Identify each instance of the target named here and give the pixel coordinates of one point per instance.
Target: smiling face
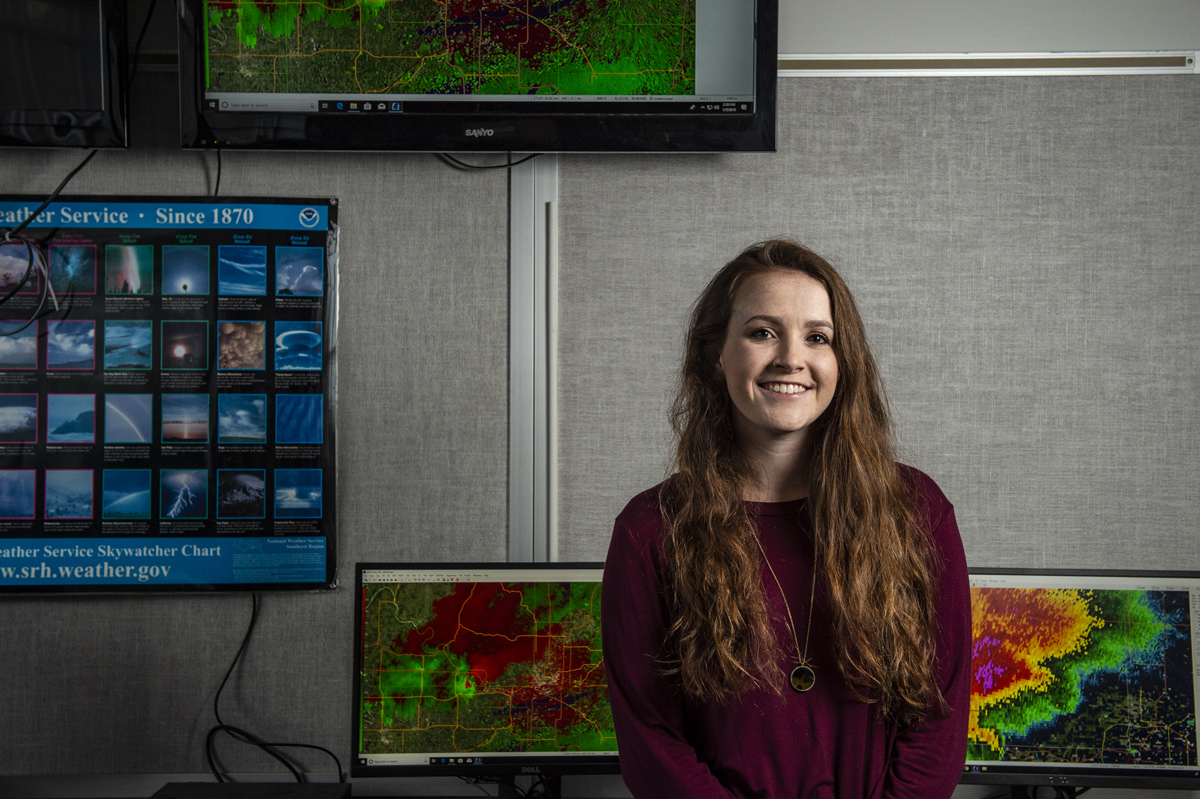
(777, 358)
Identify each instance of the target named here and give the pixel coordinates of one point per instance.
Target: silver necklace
(802, 677)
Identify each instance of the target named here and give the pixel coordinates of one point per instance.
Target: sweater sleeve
(656, 758)
(927, 758)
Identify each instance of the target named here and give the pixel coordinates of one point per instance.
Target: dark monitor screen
(480, 670)
(1084, 679)
(536, 75)
(65, 61)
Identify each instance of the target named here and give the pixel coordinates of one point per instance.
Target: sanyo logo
(477, 132)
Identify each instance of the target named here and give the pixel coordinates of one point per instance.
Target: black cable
(242, 736)
(501, 783)
(451, 161)
(540, 788)
(217, 184)
(32, 254)
(15, 231)
(14, 236)
(474, 782)
(137, 48)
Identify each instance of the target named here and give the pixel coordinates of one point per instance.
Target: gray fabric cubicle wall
(1025, 249)
(118, 685)
(1026, 252)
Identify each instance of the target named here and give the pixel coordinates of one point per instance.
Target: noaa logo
(309, 217)
(476, 132)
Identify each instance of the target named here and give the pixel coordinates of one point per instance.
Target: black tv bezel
(538, 764)
(534, 130)
(1070, 776)
(85, 128)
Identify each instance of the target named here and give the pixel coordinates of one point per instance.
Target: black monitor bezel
(534, 130)
(533, 763)
(1082, 776)
(85, 128)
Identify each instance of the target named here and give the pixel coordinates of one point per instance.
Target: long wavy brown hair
(874, 558)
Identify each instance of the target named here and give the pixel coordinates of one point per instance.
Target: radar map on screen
(1090, 677)
(483, 668)
(475, 47)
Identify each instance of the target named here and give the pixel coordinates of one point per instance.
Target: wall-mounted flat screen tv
(531, 76)
(64, 62)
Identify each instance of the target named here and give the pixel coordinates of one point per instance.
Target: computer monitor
(64, 68)
(480, 670)
(1084, 678)
(625, 75)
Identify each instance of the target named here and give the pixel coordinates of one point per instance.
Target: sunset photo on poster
(185, 418)
(184, 344)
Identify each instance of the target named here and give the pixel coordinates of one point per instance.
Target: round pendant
(802, 678)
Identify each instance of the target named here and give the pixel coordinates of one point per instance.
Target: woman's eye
(760, 333)
(819, 338)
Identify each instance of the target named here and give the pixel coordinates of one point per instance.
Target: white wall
(982, 26)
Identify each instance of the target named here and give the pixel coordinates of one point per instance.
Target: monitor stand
(550, 788)
(1031, 791)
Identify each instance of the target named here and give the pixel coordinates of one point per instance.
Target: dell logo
(531, 770)
(475, 132)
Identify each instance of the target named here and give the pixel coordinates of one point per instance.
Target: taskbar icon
(361, 106)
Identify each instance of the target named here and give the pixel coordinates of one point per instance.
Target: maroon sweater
(823, 743)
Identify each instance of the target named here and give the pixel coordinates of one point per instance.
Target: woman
(787, 615)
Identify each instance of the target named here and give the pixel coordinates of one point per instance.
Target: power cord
(58, 190)
(217, 182)
(137, 48)
(539, 789)
(34, 253)
(455, 163)
(242, 736)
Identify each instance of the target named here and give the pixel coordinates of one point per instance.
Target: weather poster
(166, 377)
(1082, 677)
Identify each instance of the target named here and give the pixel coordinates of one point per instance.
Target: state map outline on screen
(452, 668)
(464, 47)
(1082, 677)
